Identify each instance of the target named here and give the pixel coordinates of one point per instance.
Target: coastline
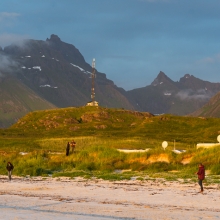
(65, 198)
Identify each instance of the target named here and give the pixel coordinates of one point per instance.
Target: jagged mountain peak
(161, 78)
(190, 81)
(186, 78)
(161, 74)
(54, 38)
(67, 50)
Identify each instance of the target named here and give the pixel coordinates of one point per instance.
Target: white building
(92, 103)
(207, 145)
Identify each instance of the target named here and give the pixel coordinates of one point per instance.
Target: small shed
(92, 103)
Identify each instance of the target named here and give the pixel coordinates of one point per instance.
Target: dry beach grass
(65, 198)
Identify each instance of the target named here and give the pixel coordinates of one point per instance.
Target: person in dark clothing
(9, 167)
(67, 148)
(201, 175)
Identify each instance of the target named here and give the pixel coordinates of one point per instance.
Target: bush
(215, 169)
(160, 167)
(86, 166)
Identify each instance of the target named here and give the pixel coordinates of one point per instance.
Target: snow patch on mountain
(47, 85)
(37, 67)
(77, 67)
(34, 67)
(167, 93)
(55, 59)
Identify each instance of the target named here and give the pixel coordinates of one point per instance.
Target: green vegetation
(17, 100)
(36, 144)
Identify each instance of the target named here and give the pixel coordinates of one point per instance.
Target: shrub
(160, 167)
(215, 169)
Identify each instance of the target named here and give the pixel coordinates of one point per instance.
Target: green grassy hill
(116, 123)
(36, 143)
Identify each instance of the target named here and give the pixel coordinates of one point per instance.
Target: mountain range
(179, 98)
(36, 74)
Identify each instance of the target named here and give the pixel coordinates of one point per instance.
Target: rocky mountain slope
(57, 71)
(210, 109)
(17, 100)
(180, 98)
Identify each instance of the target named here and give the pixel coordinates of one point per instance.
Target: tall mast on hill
(93, 82)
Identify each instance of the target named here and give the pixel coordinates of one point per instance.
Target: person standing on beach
(9, 167)
(73, 145)
(201, 175)
(67, 148)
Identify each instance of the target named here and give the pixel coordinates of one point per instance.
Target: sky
(131, 40)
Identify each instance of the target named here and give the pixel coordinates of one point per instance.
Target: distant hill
(210, 109)
(166, 96)
(17, 100)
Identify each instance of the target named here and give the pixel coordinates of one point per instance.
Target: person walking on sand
(67, 148)
(201, 175)
(9, 167)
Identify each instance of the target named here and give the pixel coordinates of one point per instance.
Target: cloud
(210, 60)
(207, 60)
(5, 16)
(7, 39)
(189, 94)
(7, 65)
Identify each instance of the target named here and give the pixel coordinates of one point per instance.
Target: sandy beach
(64, 198)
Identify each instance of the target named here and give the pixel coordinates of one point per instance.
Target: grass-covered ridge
(99, 132)
(103, 122)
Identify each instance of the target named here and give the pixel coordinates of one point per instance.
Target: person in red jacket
(201, 175)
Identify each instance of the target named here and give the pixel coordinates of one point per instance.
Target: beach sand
(65, 198)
